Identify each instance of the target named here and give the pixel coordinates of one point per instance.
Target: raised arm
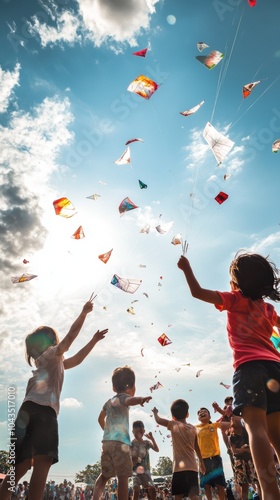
(81, 355)
(196, 290)
(154, 445)
(158, 419)
(75, 329)
(137, 400)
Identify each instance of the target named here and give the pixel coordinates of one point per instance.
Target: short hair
(138, 424)
(206, 409)
(228, 399)
(255, 276)
(123, 378)
(39, 341)
(179, 409)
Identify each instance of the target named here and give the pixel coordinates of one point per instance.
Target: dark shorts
(185, 483)
(214, 475)
(36, 432)
(257, 383)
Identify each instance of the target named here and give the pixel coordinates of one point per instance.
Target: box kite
(143, 86)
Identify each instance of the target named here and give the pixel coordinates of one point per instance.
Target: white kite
(220, 144)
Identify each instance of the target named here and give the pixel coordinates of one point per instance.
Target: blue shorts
(257, 383)
(185, 483)
(214, 475)
(36, 432)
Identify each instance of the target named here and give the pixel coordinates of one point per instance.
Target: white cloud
(66, 30)
(71, 403)
(8, 80)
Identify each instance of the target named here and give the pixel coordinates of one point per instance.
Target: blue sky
(65, 117)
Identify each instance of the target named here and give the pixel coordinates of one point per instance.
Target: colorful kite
(23, 278)
(124, 159)
(201, 46)
(133, 140)
(64, 208)
(140, 53)
(221, 197)
(192, 110)
(126, 205)
(142, 185)
(104, 257)
(225, 385)
(164, 340)
(79, 234)
(275, 339)
(158, 385)
(211, 60)
(143, 86)
(177, 240)
(127, 285)
(219, 143)
(276, 146)
(252, 3)
(247, 89)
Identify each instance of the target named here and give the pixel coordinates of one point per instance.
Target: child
(141, 460)
(36, 429)
(208, 441)
(226, 413)
(114, 420)
(256, 380)
(185, 445)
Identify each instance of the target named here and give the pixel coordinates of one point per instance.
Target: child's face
(203, 416)
(138, 432)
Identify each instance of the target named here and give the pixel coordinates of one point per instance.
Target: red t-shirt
(249, 326)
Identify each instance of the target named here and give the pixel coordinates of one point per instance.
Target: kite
(104, 257)
(142, 354)
(142, 265)
(126, 205)
(23, 277)
(198, 373)
(164, 228)
(127, 285)
(221, 197)
(145, 229)
(64, 208)
(93, 197)
(143, 86)
(227, 176)
(211, 60)
(252, 3)
(140, 53)
(133, 140)
(124, 159)
(164, 340)
(276, 146)
(142, 184)
(247, 89)
(158, 385)
(79, 234)
(201, 46)
(192, 110)
(130, 310)
(219, 143)
(225, 385)
(275, 339)
(146, 295)
(25, 261)
(177, 240)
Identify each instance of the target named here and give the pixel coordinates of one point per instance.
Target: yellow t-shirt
(208, 439)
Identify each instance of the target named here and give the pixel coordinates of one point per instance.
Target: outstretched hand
(182, 262)
(88, 307)
(100, 334)
(145, 400)
(155, 411)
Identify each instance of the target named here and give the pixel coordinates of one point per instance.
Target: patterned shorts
(116, 459)
(244, 471)
(144, 480)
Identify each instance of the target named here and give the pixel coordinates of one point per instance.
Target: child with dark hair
(256, 381)
(116, 445)
(208, 440)
(185, 450)
(36, 427)
(141, 460)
